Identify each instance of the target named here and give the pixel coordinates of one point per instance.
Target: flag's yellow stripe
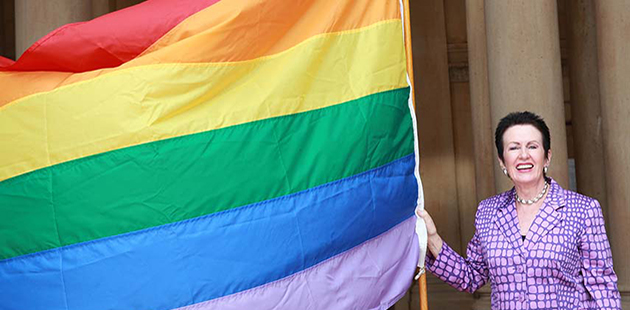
(155, 102)
(226, 31)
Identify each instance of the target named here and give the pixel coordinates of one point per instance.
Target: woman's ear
(502, 166)
(548, 159)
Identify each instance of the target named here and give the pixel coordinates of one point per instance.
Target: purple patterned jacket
(565, 261)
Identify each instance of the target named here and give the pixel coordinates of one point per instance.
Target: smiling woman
(537, 243)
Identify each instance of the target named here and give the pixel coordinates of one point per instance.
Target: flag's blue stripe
(204, 258)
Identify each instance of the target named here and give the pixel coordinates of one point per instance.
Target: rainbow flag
(205, 154)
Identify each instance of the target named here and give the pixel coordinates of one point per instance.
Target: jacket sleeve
(600, 279)
(464, 274)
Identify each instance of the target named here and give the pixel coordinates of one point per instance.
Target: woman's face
(524, 155)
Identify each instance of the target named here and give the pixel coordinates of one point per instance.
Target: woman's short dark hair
(521, 118)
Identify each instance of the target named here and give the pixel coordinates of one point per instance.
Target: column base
(625, 300)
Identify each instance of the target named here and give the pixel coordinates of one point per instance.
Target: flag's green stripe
(181, 178)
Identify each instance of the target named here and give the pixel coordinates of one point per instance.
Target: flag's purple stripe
(192, 261)
(373, 275)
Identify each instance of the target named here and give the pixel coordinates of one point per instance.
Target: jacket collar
(548, 217)
(556, 197)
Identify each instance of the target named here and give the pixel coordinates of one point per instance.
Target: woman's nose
(523, 153)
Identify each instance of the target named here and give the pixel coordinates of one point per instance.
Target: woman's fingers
(434, 241)
(431, 230)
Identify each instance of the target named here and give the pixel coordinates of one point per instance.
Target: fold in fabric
(208, 37)
(113, 38)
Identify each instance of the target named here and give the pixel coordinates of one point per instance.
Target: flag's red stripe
(111, 40)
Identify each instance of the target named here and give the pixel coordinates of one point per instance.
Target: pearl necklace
(532, 201)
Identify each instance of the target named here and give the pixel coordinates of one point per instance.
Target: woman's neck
(530, 191)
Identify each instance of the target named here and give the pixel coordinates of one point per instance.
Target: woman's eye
(513, 148)
(533, 147)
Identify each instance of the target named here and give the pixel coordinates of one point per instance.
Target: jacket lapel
(506, 221)
(549, 216)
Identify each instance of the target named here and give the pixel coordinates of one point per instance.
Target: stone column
(36, 18)
(121, 4)
(433, 108)
(482, 126)
(525, 72)
(435, 130)
(102, 7)
(585, 107)
(7, 29)
(483, 135)
(613, 48)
